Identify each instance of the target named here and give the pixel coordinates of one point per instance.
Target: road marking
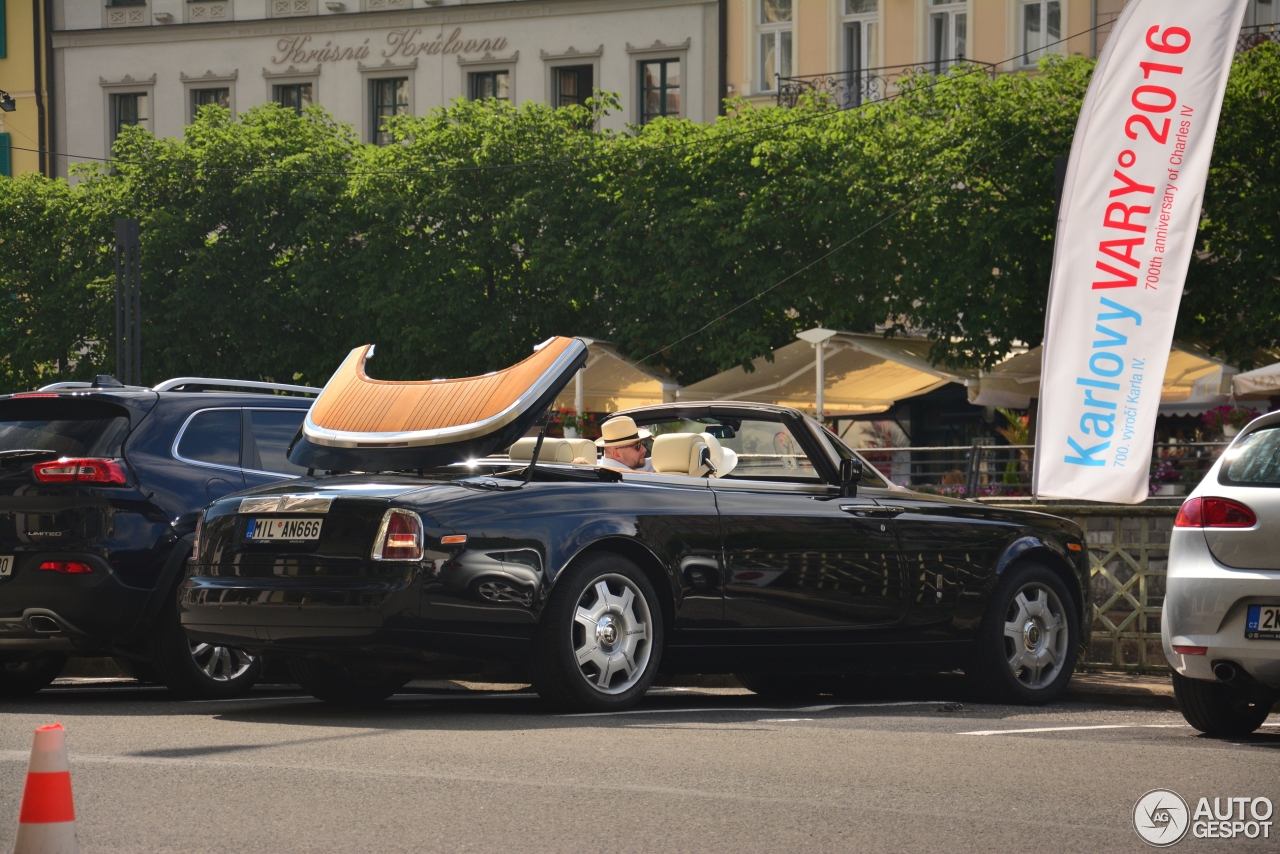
(1072, 728)
(781, 720)
(825, 708)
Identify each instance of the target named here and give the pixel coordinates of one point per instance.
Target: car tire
(781, 686)
(199, 671)
(344, 683)
(1218, 710)
(20, 678)
(1027, 643)
(599, 642)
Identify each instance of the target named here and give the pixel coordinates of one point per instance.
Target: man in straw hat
(625, 445)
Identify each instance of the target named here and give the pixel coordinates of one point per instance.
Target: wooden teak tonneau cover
(357, 412)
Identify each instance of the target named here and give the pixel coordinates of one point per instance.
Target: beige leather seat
(681, 453)
(554, 450)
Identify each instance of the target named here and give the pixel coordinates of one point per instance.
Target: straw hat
(620, 431)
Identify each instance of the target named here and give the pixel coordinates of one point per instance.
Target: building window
(292, 96)
(490, 84)
(6, 159)
(204, 97)
(387, 97)
(1041, 27)
(948, 34)
(659, 89)
(572, 85)
(775, 42)
(1262, 13)
(128, 109)
(861, 50)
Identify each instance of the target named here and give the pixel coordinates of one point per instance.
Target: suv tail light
(399, 536)
(79, 470)
(1214, 513)
(67, 567)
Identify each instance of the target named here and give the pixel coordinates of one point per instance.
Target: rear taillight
(79, 470)
(66, 567)
(399, 537)
(1214, 513)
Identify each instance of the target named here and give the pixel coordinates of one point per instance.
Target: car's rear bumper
(42, 610)
(351, 616)
(1206, 605)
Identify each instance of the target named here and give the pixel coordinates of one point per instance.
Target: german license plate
(292, 530)
(6, 565)
(1263, 623)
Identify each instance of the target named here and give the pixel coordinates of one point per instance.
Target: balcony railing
(1251, 37)
(850, 89)
(994, 472)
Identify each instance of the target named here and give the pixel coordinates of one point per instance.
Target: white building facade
(155, 62)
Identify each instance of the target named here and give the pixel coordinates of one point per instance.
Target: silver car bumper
(1206, 604)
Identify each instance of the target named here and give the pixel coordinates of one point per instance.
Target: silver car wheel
(1036, 636)
(611, 634)
(220, 663)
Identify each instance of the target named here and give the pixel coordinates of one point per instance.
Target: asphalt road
(689, 770)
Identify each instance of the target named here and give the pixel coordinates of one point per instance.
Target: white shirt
(611, 463)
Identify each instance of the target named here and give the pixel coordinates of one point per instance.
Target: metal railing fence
(1004, 471)
(1251, 37)
(849, 89)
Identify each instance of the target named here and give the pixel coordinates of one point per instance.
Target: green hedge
(273, 243)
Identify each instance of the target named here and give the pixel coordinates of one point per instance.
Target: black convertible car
(760, 546)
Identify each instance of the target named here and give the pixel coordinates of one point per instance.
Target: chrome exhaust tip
(43, 624)
(1225, 671)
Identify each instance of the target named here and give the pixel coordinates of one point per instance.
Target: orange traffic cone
(47, 821)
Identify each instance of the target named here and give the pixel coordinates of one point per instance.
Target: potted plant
(573, 424)
(1164, 478)
(1227, 419)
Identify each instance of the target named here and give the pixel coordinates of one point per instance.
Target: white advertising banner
(1126, 227)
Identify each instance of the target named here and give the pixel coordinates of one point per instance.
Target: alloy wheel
(611, 638)
(1036, 636)
(220, 663)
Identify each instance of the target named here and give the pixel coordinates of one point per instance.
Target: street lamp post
(817, 338)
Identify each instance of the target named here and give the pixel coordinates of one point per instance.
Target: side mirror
(704, 460)
(850, 474)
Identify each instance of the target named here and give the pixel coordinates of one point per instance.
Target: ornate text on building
(405, 42)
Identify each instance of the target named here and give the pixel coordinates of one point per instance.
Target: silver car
(1221, 620)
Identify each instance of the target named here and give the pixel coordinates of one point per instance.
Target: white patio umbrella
(863, 374)
(1261, 381)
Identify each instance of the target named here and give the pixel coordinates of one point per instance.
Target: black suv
(100, 489)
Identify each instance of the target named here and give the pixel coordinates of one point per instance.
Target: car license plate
(283, 529)
(1263, 623)
(6, 565)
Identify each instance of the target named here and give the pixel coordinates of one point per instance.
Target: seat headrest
(681, 453)
(673, 453)
(554, 450)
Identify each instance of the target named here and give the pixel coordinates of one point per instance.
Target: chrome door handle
(868, 511)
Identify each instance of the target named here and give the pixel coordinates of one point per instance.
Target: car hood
(362, 424)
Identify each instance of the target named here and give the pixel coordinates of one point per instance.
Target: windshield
(69, 428)
(1254, 461)
(766, 450)
(839, 450)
